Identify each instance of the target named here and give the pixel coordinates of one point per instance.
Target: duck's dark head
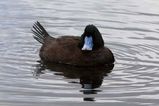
(91, 39)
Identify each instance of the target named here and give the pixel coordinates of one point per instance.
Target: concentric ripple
(129, 28)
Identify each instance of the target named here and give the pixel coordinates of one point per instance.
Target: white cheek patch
(88, 43)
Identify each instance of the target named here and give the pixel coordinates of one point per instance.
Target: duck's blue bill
(88, 43)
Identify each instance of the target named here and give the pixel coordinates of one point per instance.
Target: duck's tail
(39, 32)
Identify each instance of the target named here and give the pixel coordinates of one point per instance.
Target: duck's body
(68, 50)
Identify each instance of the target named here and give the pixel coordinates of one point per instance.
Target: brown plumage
(67, 49)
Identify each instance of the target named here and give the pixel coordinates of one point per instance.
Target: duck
(86, 50)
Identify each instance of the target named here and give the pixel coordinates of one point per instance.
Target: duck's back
(66, 50)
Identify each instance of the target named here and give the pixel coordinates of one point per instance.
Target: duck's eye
(88, 43)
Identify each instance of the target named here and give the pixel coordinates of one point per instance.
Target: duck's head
(91, 39)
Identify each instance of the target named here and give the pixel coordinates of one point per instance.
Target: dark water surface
(130, 29)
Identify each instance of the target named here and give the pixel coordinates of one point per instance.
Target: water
(130, 29)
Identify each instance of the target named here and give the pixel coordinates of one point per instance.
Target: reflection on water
(89, 77)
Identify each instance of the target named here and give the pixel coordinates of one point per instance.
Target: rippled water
(130, 29)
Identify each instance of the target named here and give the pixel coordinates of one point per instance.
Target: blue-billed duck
(85, 50)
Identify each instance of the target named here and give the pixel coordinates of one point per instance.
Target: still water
(130, 28)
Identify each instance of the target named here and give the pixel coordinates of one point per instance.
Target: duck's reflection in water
(89, 77)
